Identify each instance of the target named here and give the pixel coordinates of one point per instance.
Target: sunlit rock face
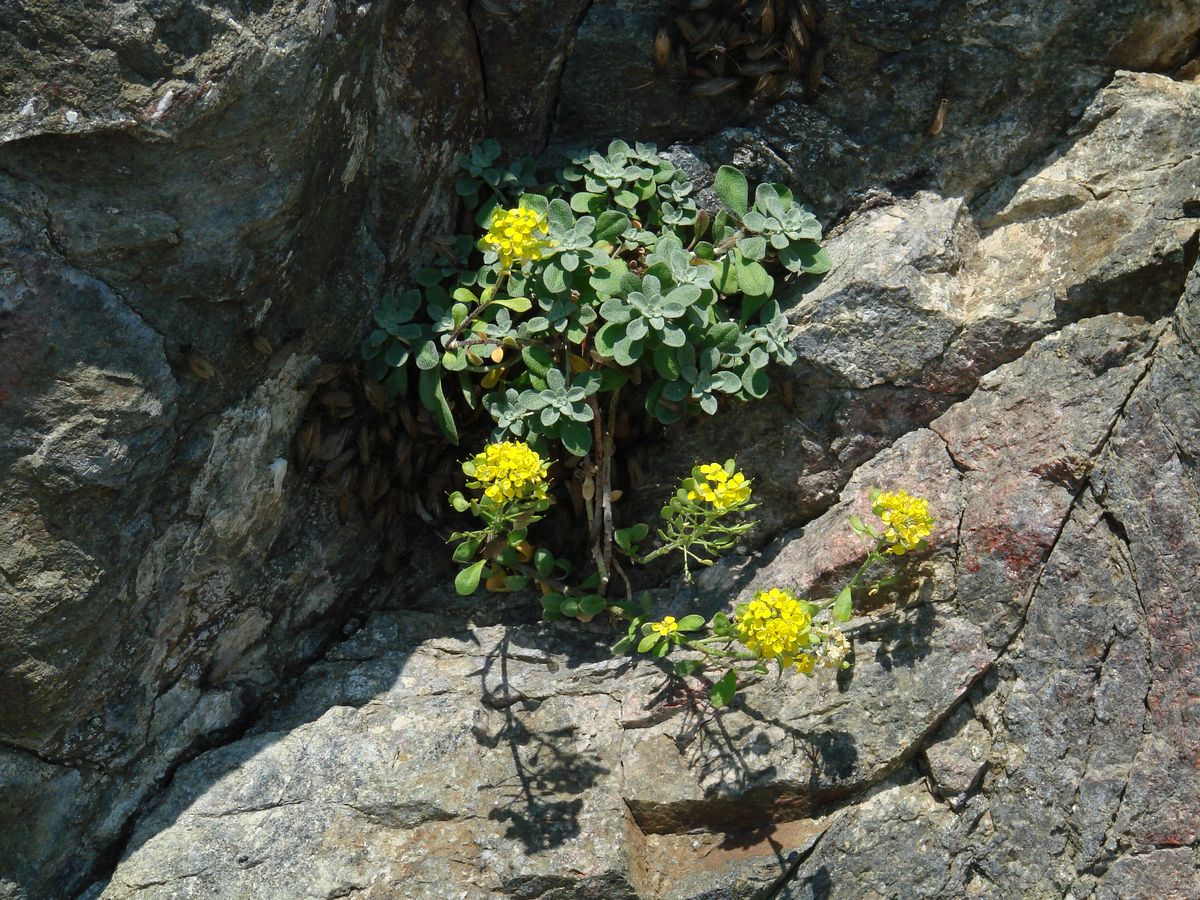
(207, 688)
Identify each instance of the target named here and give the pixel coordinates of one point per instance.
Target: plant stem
(488, 296)
(872, 556)
(607, 451)
(723, 654)
(596, 522)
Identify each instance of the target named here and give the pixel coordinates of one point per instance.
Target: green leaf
(607, 338)
(727, 274)
(722, 691)
(754, 280)
(516, 304)
(732, 188)
(662, 649)
(582, 201)
(626, 199)
(622, 646)
(537, 203)
(686, 667)
(666, 363)
(647, 643)
(611, 379)
(756, 383)
(428, 276)
(553, 278)
(819, 264)
(610, 224)
(543, 561)
(691, 623)
(559, 216)
(857, 524)
(432, 398)
(843, 606)
(429, 356)
(626, 538)
(538, 360)
(723, 336)
(464, 552)
(592, 605)
(754, 248)
(627, 352)
(466, 581)
(721, 624)
(396, 355)
(805, 257)
(576, 437)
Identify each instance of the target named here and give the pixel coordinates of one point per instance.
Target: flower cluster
(831, 651)
(666, 627)
(775, 625)
(720, 488)
(517, 235)
(511, 470)
(907, 519)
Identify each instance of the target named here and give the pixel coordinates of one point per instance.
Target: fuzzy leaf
(466, 581)
(537, 360)
(429, 356)
(754, 280)
(805, 257)
(576, 437)
(732, 188)
(610, 224)
(434, 400)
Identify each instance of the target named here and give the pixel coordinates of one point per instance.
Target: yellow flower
(720, 488)
(667, 626)
(511, 470)
(517, 235)
(907, 519)
(775, 625)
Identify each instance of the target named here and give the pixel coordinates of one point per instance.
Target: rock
(523, 88)
(518, 761)
(1002, 331)
(172, 178)
(926, 296)
(888, 69)
(956, 757)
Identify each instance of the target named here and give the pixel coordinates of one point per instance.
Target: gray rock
(172, 177)
(957, 756)
(509, 759)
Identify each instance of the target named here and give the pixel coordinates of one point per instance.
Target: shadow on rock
(546, 768)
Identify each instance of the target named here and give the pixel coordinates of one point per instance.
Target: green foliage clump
(635, 282)
(606, 283)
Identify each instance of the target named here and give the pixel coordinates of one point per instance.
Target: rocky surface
(1013, 709)
(160, 565)
(1002, 331)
